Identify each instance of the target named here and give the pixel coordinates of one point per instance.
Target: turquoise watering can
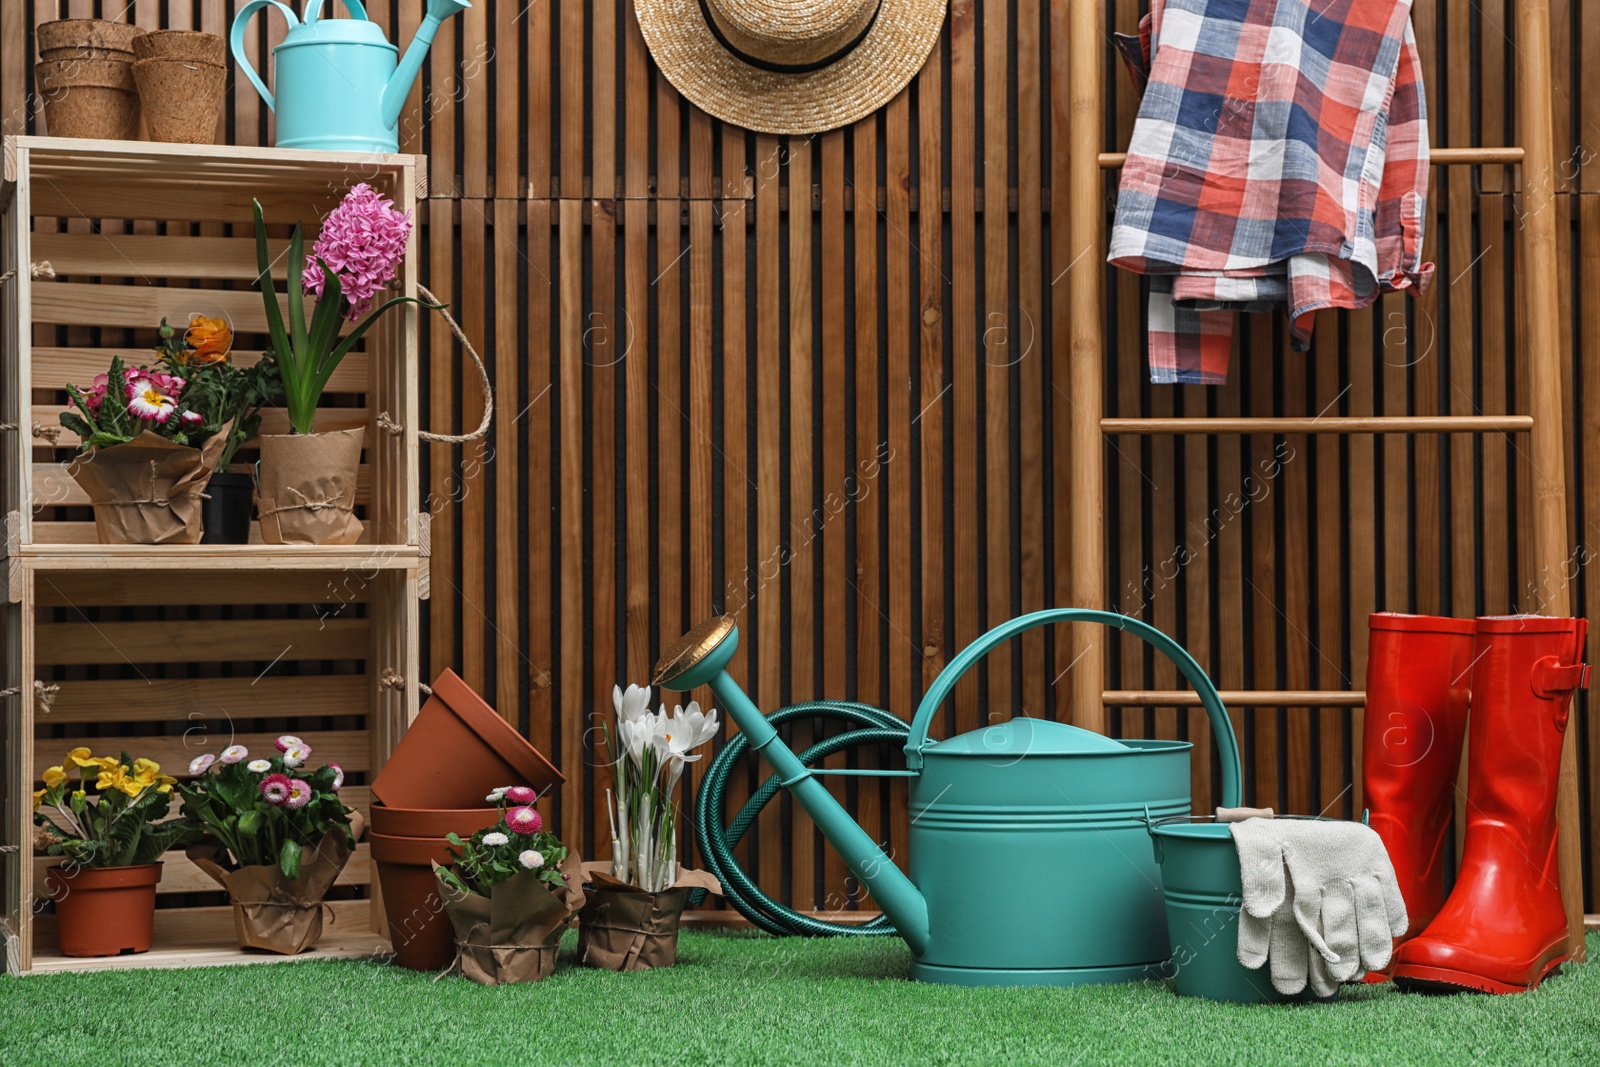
(339, 86)
(1030, 861)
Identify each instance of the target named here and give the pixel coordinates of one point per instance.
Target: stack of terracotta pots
(182, 75)
(96, 78)
(85, 78)
(435, 783)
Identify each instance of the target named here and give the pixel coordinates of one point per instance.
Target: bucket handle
(1221, 726)
(236, 43)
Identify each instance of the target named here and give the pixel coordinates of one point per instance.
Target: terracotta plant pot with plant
(275, 837)
(406, 844)
(510, 892)
(148, 445)
(181, 98)
(454, 750)
(108, 828)
(307, 491)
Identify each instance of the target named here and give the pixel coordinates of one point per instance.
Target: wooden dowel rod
(1542, 346)
(1327, 424)
(1237, 698)
(1439, 157)
(1086, 355)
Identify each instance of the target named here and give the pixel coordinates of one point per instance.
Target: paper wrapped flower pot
(455, 751)
(513, 934)
(148, 491)
(271, 912)
(307, 492)
(623, 928)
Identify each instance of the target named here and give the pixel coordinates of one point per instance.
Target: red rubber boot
(1503, 928)
(1417, 672)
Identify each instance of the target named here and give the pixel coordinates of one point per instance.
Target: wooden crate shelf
(174, 650)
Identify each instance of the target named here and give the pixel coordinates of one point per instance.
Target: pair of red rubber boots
(1503, 928)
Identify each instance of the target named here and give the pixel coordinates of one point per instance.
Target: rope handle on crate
(387, 422)
(43, 692)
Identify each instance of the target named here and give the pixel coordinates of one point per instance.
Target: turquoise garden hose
(873, 726)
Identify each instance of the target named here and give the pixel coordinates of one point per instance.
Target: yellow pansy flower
(112, 777)
(53, 776)
(80, 756)
(38, 795)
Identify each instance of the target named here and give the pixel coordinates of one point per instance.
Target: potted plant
(144, 455)
(229, 399)
(635, 901)
(510, 891)
(275, 837)
(108, 828)
(308, 480)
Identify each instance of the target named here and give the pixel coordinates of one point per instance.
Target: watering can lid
(1023, 736)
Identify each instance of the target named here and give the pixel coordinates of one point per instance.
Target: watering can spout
(400, 82)
(699, 658)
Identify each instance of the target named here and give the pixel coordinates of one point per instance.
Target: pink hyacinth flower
(362, 241)
(524, 820)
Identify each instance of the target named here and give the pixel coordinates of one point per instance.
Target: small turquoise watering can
(339, 86)
(1030, 860)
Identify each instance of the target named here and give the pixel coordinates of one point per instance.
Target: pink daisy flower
(286, 740)
(521, 794)
(299, 793)
(295, 755)
(524, 820)
(338, 776)
(275, 788)
(200, 764)
(233, 754)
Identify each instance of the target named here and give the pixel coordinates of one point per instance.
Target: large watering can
(339, 86)
(1030, 862)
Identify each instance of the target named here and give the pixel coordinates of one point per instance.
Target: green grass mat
(747, 999)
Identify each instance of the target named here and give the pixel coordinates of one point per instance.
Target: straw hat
(790, 66)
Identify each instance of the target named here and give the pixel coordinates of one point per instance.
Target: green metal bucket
(1203, 890)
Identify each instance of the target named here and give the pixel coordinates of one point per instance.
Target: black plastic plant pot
(225, 510)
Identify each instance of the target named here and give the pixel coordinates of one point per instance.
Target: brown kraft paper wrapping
(623, 928)
(307, 491)
(514, 934)
(270, 912)
(147, 492)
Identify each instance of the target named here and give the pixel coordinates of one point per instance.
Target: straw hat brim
(863, 80)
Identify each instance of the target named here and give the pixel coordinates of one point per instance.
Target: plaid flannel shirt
(1279, 159)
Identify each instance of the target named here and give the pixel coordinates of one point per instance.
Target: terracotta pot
(104, 911)
(225, 509)
(95, 98)
(431, 822)
(181, 98)
(182, 44)
(419, 929)
(455, 751)
(86, 39)
(307, 492)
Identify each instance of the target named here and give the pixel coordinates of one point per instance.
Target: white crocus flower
(688, 729)
(632, 705)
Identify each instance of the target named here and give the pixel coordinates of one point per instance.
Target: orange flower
(209, 340)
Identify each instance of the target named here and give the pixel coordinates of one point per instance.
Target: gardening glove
(1276, 938)
(1345, 898)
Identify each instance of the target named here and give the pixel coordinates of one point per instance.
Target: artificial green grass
(748, 999)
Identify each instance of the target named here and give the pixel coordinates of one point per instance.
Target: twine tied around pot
(386, 422)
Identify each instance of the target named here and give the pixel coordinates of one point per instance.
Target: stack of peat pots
(85, 78)
(181, 75)
(97, 78)
(455, 752)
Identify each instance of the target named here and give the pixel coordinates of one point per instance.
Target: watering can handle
(236, 42)
(314, 10)
(1221, 726)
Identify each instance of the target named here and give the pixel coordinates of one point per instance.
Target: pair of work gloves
(1321, 903)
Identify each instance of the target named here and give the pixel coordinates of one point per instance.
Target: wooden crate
(170, 651)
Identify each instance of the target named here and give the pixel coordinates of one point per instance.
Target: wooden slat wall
(812, 381)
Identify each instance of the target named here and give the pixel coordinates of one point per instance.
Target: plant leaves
(289, 859)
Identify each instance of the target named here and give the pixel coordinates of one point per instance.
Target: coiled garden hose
(716, 843)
